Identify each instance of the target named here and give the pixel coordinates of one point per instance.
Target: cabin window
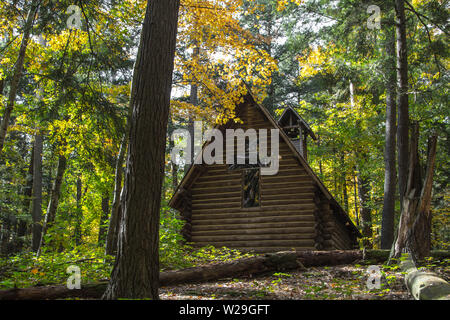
(250, 179)
(250, 188)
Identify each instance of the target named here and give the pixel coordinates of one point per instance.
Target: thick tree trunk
(414, 230)
(18, 69)
(402, 98)
(54, 199)
(136, 270)
(390, 181)
(36, 211)
(103, 221)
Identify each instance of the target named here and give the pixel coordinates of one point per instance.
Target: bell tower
(297, 130)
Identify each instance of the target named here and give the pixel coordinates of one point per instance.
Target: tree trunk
(28, 193)
(193, 99)
(355, 196)
(103, 221)
(402, 98)
(18, 69)
(414, 230)
(36, 211)
(388, 215)
(5, 234)
(344, 183)
(365, 214)
(116, 208)
(424, 285)
(79, 214)
(174, 167)
(54, 199)
(136, 270)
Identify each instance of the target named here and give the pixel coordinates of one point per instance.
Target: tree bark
(402, 98)
(193, 99)
(28, 193)
(424, 285)
(344, 183)
(136, 269)
(365, 214)
(36, 211)
(414, 230)
(390, 181)
(116, 208)
(355, 196)
(18, 69)
(54, 200)
(103, 220)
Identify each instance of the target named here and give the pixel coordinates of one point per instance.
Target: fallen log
(280, 261)
(424, 285)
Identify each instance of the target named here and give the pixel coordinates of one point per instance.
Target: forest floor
(344, 282)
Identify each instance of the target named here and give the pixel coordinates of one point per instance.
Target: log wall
(289, 216)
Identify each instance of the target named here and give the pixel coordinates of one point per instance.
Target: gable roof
(290, 110)
(195, 170)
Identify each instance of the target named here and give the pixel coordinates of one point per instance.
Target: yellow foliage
(226, 53)
(316, 61)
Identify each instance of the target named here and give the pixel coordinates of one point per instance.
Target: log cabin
(238, 207)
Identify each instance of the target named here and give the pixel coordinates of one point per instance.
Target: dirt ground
(347, 282)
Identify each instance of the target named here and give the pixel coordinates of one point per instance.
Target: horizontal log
(304, 214)
(281, 261)
(250, 220)
(286, 177)
(225, 175)
(280, 208)
(281, 196)
(283, 202)
(211, 197)
(214, 183)
(215, 205)
(215, 189)
(246, 237)
(256, 231)
(281, 184)
(248, 226)
(424, 285)
(274, 249)
(286, 190)
(259, 243)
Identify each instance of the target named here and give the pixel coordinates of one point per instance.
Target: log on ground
(424, 285)
(280, 261)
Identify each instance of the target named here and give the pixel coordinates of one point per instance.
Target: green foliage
(26, 270)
